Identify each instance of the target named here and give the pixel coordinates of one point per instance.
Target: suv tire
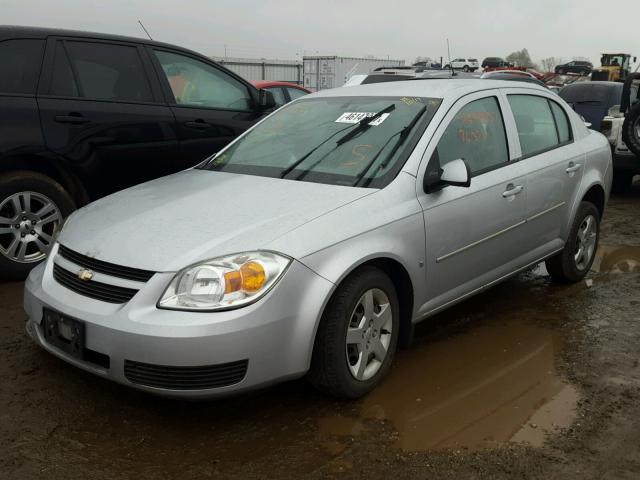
(631, 130)
(336, 361)
(574, 261)
(32, 207)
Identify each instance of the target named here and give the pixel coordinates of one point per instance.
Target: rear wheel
(465, 68)
(32, 207)
(631, 130)
(573, 263)
(357, 337)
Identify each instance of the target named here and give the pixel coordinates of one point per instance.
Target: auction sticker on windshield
(355, 117)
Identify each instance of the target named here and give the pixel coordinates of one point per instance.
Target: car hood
(169, 223)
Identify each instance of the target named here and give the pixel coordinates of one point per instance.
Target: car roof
(270, 83)
(13, 31)
(593, 84)
(431, 88)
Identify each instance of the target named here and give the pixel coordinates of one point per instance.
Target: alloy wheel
(586, 242)
(28, 221)
(369, 334)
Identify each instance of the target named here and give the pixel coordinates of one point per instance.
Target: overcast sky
(400, 29)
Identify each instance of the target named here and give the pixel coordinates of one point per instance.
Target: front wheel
(465, 68)
(573, 263)
(357, 337)
(32, 207)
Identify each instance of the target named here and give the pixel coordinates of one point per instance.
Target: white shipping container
(264, 69)
(322, 72)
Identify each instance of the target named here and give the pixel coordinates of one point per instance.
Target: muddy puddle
(617, 259)
(490, 385)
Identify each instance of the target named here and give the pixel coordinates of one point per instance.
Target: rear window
(20, 62)
(588, 93)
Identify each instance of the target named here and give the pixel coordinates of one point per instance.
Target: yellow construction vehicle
(615, 67)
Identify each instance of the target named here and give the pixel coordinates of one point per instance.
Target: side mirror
(456, 173)
(266, 100)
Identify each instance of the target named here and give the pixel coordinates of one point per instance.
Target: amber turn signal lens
(253, 277)
(232, 281)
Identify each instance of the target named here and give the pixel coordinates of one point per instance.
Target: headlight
(224, 282)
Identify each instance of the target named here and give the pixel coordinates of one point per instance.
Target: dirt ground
(529, 380)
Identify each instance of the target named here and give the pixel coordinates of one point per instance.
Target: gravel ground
(529, 380)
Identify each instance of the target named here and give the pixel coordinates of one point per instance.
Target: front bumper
(275, 334)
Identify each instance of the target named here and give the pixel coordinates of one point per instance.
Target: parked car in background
(314, 243)
(592, 100)
(83, 115)
(283, 92)
(466, 65)
(495, 62)
(577, 66)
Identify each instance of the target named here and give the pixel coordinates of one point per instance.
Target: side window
(63, 83)
(20, 62)
(562, 122)
(196, 83)
(278, 95)
(477, 135)
(535, 123)
(296, 93)
(102, 72)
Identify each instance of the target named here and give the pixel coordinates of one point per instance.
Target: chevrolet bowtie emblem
(85, 274)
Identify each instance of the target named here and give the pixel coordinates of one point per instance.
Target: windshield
(355, 141)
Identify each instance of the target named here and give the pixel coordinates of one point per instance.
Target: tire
(32, 206)
(465, 68)
(631, 130)
(447, 67)
(560, 71)
(621, 182)
(335, 363)
(567, 266)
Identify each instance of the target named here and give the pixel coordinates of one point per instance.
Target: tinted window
(199, 84)
(562, 122)
(296, 93)
(62, 81)
(20, 65)
(535, 123)
(108, 72)
(591, 93)
(477, 135)
(278, 95)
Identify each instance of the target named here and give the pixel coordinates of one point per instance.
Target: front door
(474, 235)
(101, 114)
(210, 105)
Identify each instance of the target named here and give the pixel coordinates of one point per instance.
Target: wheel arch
(52, 169)
(596, 195)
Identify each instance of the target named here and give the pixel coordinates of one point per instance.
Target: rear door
(211, 105)
(554, 164)
(474, 235)
(104, 116)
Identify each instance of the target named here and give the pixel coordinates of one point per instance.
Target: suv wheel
(631, 130)
(573, 263)
(465, 68)
(32, 207)
(357, 337)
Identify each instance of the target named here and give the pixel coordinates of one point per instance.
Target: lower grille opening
(96, 358)
(185, 378)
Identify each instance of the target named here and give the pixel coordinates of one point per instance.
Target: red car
(283, 92)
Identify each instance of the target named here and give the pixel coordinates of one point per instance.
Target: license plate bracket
(64, 333)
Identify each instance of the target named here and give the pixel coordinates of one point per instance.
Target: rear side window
(101, 71)
(536, 124)
(477, 135)
(278, 96)
(295, 93)
(562, 122)
(20, 62)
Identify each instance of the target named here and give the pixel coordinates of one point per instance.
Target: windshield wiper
(365, 123)
(361, 124)
(403, 135)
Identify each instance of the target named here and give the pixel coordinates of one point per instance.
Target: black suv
(83, 115)
(578, 67)
(495, 62)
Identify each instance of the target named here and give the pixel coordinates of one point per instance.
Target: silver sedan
(313, 243)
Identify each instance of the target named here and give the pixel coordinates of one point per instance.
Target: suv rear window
(100, 71)
(589, 93)
(20, 61)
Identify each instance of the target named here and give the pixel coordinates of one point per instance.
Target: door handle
(512, 190)
(573, 167)
(73, 118)
(199, 124)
